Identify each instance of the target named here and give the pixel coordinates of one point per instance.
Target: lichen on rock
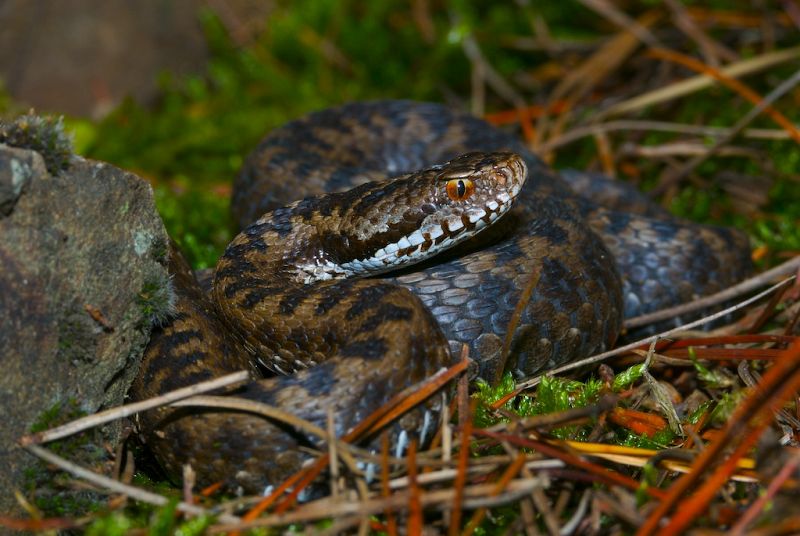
(73, 317)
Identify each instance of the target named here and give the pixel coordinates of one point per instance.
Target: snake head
(410, 218)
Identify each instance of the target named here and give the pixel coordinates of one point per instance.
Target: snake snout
(510, 173)
(518, 171)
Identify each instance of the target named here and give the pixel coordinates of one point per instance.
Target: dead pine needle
(463, 460)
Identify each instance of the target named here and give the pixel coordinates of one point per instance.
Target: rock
(84, 56)
(82, 274)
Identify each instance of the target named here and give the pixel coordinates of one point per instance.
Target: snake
(380, 238)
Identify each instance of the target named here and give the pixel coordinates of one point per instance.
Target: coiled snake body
(290, 291)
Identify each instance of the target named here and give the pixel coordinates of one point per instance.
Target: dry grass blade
(511, 328)
(118, 487)
(580, 81)
(697, 83)
(710, 48)
(510, 472)
(639, 457)
(127, 410)
(732, 83)
(628, 125)
(765, 103)
(251, 406)
(475, 496)
(600, 473)
(743, 429)
(609, 11)
(761, 503)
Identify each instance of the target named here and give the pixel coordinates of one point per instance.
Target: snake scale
(294, 292)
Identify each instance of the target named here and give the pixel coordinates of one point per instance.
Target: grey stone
(82, 57)
(80, 255)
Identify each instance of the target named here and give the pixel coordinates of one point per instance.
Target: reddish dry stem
(510, 472)
(415, 522)
(734, 84)
(603, 474)
(463, 462)
(391, 522)
(750, 418)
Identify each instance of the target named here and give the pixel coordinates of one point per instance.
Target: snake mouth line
(429, 240)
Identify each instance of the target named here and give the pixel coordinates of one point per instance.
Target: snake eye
(459, 189)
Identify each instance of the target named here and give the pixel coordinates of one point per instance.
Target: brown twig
(465, 419)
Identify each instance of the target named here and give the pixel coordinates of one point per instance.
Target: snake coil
(295, 294)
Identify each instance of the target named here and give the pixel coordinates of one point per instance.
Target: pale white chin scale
(418, 246)
(476, 215)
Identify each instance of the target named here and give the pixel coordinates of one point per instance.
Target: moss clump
(157, 298)
(51, 490)
(154, 521)
(42, 134)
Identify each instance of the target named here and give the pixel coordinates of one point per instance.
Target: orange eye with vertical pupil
(459, 189)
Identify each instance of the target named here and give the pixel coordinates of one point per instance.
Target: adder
(378, 238)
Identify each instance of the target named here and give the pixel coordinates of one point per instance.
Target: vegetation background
(481, 56)
(558, 73)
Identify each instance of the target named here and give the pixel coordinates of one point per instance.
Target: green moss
(488, 395)
(77, 338)
(726, 405)
(57, 414)
(51, 490)
(200, 223)
(42, 134)
(157, 298)
(660, 440)
(627, 377)
(552, 395)
(159, 249)
(114, 524)
(161, 521)
(713, 378)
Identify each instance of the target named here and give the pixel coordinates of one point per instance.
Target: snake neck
(380, 226)
(278, 280)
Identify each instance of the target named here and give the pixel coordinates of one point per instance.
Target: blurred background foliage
(310, 54)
